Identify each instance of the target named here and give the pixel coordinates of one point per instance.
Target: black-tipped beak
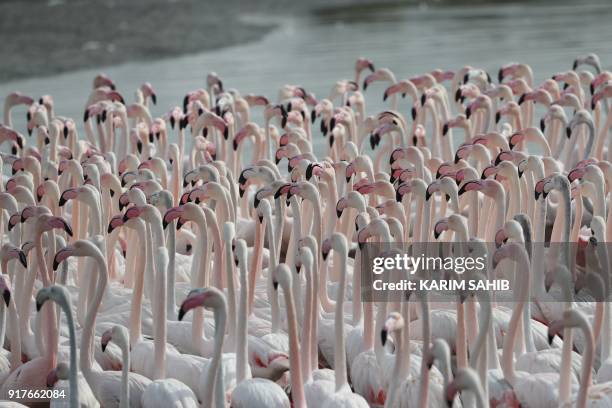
(165, 224)
(500, 75)
(38, 306)
(385, 96)
(6, 295)
(413, 113)
(444, 129)
(179, 224)
(365, 85)
(313, 116)
(497, 117)
(551, 338)
(383, 336)
(542, 124)
(468, 112)
(256, 201)
(67, 229)
(398, 197)
(325, 254)
(154, 99)
(568, 132)
(521, 99)
(427, 195)
(23, 259)
(309, 171)
(457, 95)
(275, 284)
(62, 201)
(55, 264)
(103, 347)
(139, 146)
(181, 314)
(241, 191)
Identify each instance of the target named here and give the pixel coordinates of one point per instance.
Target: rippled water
(318, 48)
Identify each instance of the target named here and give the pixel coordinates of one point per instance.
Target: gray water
(317, 47)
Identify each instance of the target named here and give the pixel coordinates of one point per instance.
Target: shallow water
(317, 48)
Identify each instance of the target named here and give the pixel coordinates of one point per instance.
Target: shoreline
(109, 33)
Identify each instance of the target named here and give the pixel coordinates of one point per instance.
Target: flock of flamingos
(204, 259)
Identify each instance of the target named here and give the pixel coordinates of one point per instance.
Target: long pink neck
(50, 321)
(136, 306)
(339, 346)
(297, 386)
(256, 263)
(90, 320)
(522, 291)
(15, 335)
(214, 368)
(159, 342)
(307, 324)
(587, 364)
